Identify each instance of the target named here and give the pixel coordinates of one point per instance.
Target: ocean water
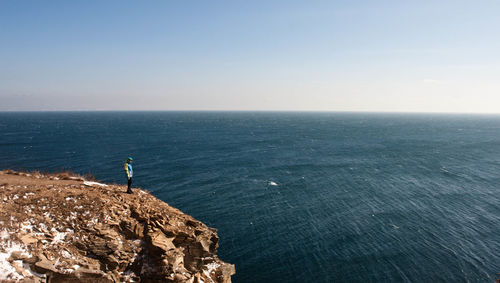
(299, 197)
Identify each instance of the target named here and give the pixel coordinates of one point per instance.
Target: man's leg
(129, 183)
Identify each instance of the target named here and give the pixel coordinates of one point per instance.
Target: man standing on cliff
(130, 172)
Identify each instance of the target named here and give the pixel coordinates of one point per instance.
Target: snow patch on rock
(91, 184)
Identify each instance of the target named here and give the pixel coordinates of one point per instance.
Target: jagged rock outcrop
(58, 228)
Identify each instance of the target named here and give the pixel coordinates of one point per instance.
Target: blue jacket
(128, 169)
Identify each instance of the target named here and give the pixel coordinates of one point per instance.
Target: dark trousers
(129, 183)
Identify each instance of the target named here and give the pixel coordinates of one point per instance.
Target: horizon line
(264, 111)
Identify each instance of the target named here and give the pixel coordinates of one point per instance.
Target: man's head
(130, 159)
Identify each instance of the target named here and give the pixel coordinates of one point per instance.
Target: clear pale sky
(423, 56)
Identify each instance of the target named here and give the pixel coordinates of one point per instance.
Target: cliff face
(59, 228)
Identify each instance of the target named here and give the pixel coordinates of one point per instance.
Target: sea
(299, 196)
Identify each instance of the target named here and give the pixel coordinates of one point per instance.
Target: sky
(387, 56)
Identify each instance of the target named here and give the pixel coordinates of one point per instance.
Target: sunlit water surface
(299, 197)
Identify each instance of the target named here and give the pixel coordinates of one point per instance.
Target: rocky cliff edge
(61, 228)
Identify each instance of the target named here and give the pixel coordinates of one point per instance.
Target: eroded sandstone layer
(58, 228)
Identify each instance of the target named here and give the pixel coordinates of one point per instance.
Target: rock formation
(58, 228)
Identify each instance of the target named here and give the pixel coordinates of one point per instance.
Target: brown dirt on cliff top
(86, 231)
(36, 179)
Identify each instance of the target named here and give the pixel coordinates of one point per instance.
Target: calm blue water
(359, 197)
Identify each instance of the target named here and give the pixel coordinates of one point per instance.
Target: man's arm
(125, 166)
